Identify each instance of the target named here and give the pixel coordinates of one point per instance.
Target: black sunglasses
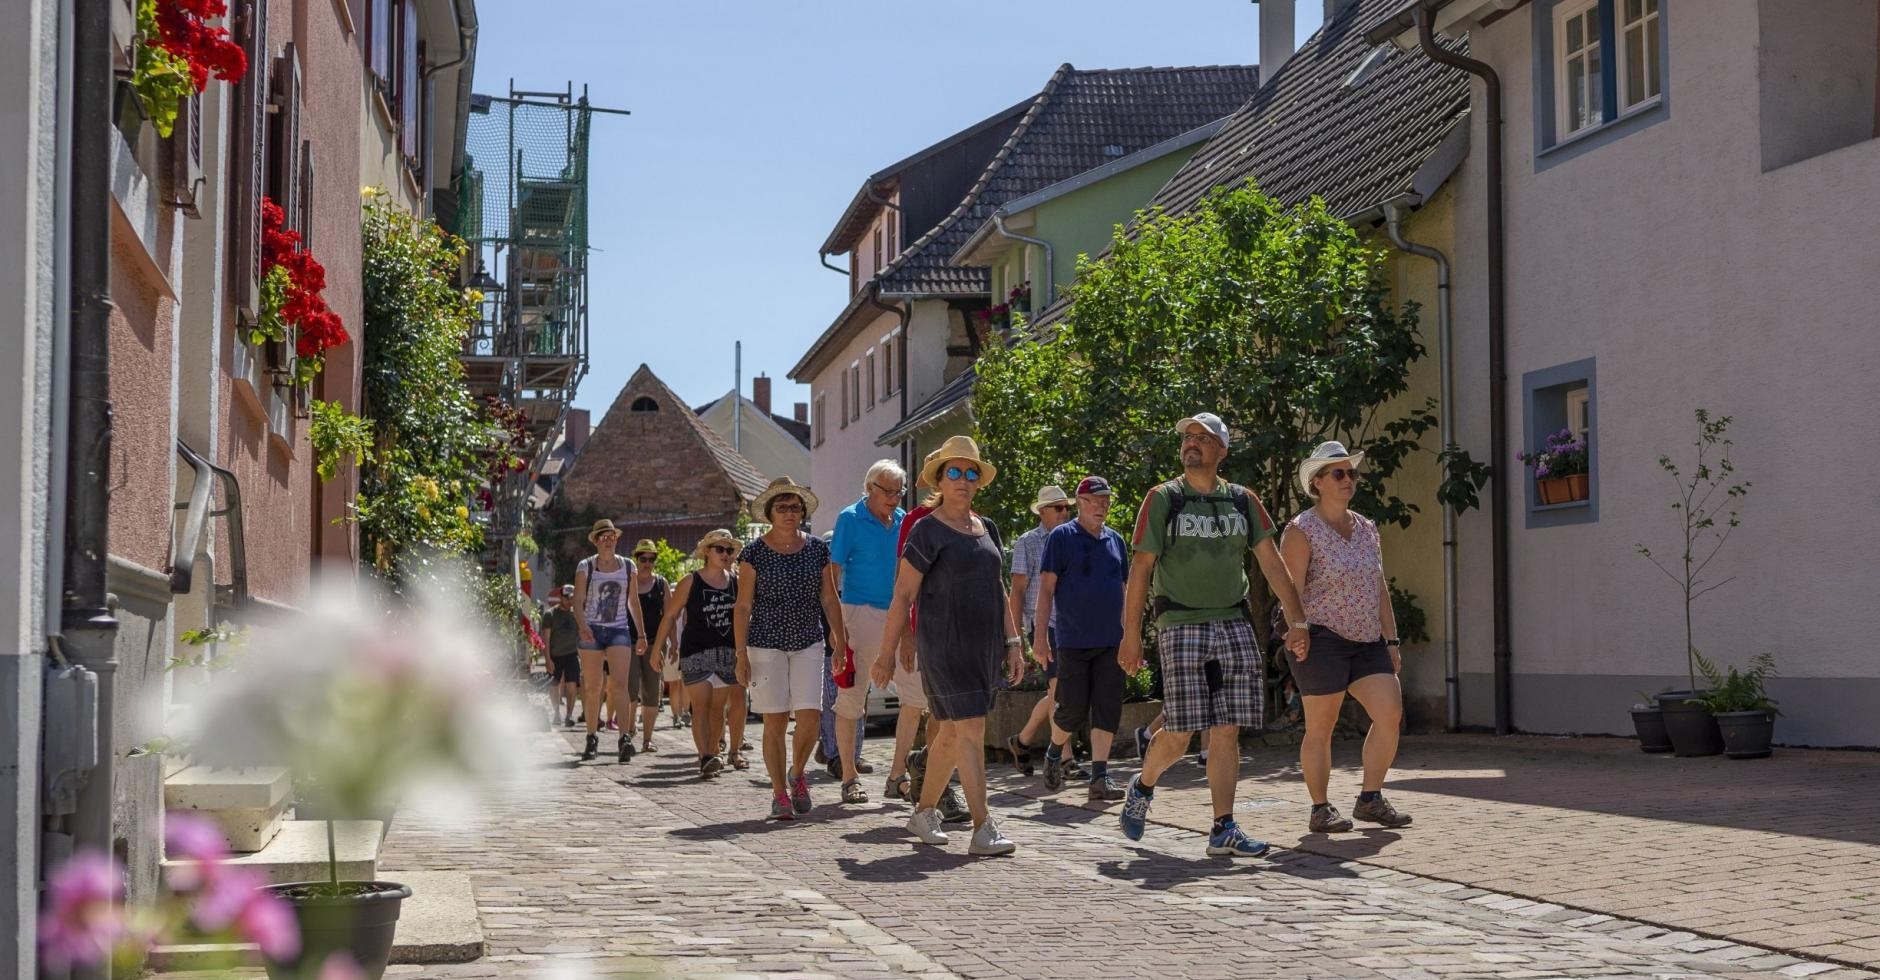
(723, 549)
(1340, 472)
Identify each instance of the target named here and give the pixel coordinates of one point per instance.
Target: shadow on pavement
(916, 865)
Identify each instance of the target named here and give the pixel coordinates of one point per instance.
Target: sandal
(738, 762)
(899, 788)
(852, 792)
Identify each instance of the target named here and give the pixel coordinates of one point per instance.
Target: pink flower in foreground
(225, 894)
(341, 966)
(82, 919)
(268, 922)
(193, 836)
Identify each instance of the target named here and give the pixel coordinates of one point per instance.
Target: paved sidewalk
(1781, 852)
(643, 870)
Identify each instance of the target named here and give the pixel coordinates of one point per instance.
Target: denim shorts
(609, 636)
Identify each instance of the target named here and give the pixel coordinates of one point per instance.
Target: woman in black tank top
(705, 600)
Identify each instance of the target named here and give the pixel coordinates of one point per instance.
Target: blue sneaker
(1231, 841)
(1135, 813)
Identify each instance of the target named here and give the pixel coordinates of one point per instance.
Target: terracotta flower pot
(1562, 489)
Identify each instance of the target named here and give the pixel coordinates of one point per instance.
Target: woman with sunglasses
(784, 581)
(954, 569)
(705, 600)
(608, 623)
(645, 677)
(1335, 554)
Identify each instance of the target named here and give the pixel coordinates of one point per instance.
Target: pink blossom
(268, 922)
(82, 919)
(193, 837)
(225, 894)
(341, 966)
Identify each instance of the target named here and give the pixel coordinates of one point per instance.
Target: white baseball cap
(1208, 421)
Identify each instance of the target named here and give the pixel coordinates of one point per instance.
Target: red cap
(1096, 486)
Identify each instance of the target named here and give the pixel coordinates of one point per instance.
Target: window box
(1562, 489)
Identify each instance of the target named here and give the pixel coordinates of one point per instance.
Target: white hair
(884, 467)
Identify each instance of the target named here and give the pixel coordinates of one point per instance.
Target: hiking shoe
(1142, 741)
(1135, 813)
(781, 809)
(593, 748)
(1231, 841)
(1203, 757)
(852, 792)
(1379, 810)
(835, 768)
(1104, 789)
(925, 824)
(988, 840)
(799, 794)
(1072, 771)
(864, 767)
(626, 748)
(822, 758)
(953, 805)
(1053, 774)
(1327, 820)
(1021, 754)
(710, 766)
(916, 773)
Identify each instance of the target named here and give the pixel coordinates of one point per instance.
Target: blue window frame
(1600, 73)
(1561, 397)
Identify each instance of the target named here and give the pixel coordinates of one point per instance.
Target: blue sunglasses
(970, 475)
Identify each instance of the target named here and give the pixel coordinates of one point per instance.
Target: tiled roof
(1310, 132)
(743, 477)
(1082, 120)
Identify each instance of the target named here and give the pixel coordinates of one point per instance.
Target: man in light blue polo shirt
(864, 553)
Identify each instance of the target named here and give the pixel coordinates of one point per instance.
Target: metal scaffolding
(523, 209)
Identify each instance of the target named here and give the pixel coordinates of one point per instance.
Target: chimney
(801, 412)
(1334, 8)
(760, 393)
(1276, 35)
(577, 429)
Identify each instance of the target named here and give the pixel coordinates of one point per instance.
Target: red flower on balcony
(302, 306)
(182, 31)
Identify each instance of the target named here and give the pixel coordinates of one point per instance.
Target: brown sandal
(738, 761)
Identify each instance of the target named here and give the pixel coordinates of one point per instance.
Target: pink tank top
(1344, 578)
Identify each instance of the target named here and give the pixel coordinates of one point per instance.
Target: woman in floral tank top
(1334, 554)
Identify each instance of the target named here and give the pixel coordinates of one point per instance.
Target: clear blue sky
(754, 123)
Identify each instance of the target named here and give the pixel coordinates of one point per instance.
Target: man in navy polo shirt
(1084, 569)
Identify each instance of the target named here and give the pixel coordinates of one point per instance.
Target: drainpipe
(1497, 353)
(1393, 222)
(903, 312)
(823, 257)
(89, 630)
(1050, 265)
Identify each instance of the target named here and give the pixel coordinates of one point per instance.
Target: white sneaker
(925, 824)
(989, 840)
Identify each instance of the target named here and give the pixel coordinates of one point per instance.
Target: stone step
(298, 852)
(248, 804)
(437, 924)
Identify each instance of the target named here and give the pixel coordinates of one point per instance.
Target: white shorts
(786, 680)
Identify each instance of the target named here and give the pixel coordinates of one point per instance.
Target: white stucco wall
(1694, 278)
(837, 465)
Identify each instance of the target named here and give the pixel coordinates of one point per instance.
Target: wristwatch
(1012, 641)
(1393, 642)
(1299, 626)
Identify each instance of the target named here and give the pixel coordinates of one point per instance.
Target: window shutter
(186, 177)
(408, 93)
(380, 31)
(284, 136)
(305, 194)
(249, 148)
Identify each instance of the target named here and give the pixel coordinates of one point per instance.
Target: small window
(1578, 75)
(819, 420)
(887, 367)
(855, 391)
(842, 410)
(644, 404)
(1561, 407)
(1638, 69)
(878, 234)
(868, 404)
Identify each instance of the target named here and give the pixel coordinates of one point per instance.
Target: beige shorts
(670, 672)
(865, 625)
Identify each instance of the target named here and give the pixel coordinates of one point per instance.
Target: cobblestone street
(642, 869)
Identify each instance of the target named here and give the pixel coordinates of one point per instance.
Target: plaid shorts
(1211, 675)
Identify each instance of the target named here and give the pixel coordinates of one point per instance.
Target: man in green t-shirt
(1192, 538)
(564, 660)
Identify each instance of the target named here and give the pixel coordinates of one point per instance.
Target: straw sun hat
(778, 487)
(956, 447)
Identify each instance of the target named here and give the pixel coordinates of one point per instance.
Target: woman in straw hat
(784, 582)
(603, 585)
(708, 662)
(954, 568)
(1335, 555)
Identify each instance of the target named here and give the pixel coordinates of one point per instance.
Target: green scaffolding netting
(525, 173)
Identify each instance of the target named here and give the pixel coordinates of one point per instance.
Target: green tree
(1276, 318)
(430, 438)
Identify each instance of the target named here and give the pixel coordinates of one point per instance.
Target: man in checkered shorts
(1192, 538)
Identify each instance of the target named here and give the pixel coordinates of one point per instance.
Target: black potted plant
(1743, 709)
(1707, 521)
(1648, 720)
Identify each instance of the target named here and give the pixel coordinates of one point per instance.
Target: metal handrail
(183, 561)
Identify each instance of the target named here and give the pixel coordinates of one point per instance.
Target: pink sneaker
(799, 794)
(780, 808)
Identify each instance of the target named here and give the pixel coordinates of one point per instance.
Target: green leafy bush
(1733, 690)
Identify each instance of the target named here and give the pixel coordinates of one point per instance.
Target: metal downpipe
(1050, 261)
(1445, 324)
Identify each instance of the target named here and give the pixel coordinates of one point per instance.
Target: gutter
(88, 627)
(1422, 14)
(903, 311)
(1446, 426)
(1050, 262)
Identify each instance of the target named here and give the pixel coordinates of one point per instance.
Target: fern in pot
(1742, 707)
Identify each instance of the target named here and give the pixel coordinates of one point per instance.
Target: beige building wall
(772, 450)
(841, 449)
(1694, 277)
